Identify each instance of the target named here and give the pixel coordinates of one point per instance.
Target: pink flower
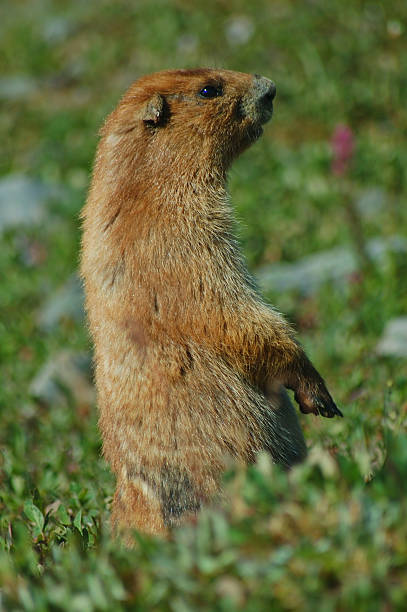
(343, 145)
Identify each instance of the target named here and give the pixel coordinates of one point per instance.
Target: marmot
(190, 360)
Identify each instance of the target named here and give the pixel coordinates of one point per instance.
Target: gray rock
(371, 201)
(67, 302)
(57, 29)
(23, 201)
(393, 342)
(239, 29)
(66, 373)
(16, 87)
(336, 265)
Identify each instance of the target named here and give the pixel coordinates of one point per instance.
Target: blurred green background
(329, 251)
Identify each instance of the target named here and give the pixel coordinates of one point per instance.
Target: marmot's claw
(319, 404)
(328, 409)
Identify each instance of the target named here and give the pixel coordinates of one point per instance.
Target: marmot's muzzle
(257, 104)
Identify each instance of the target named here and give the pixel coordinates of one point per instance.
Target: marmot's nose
(271, 91)
(264, 88)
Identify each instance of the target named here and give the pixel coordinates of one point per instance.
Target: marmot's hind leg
(154, 506)
(136, 508)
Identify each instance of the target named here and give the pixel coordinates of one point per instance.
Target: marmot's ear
(153, 112)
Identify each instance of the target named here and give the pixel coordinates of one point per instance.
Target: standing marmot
(190, 361)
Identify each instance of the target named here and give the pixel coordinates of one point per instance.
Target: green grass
(332, 534)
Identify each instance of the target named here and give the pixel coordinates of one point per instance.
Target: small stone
(56, 29)
(23, 201)
(335, 265)
(371, 201)
(67, 302)
(17, 87)
(239, 30)
(65, 372)
(309, 273)
(393, 342)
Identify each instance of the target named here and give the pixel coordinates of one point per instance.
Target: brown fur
(189, 359)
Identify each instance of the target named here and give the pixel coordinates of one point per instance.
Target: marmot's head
(190, 120)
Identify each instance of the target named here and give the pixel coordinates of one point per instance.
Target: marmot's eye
(210, 92)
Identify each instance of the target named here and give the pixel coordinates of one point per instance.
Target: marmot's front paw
(318, 401)
(310, 391)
